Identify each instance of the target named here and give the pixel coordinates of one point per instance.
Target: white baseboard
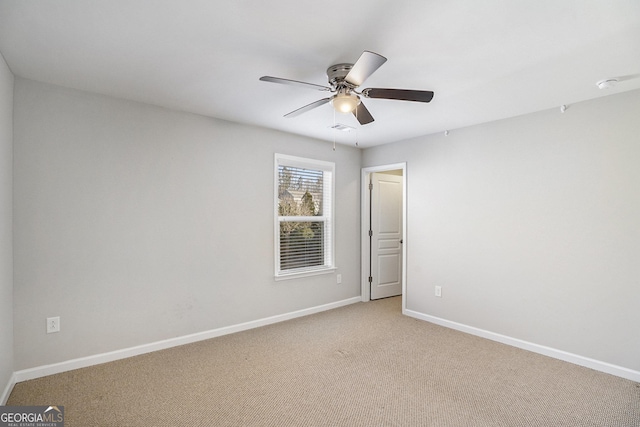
(83, 362)
(7, 390)
(597, 365)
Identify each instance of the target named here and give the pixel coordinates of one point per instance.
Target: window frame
(327, 217)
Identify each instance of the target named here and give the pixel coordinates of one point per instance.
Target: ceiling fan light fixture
(345, 102)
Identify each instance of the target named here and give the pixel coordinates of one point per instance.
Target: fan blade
(366, 65)
(362, 114)
(400, 94)
(293, 83)
(308, 107)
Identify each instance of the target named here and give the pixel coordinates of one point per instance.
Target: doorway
(383, 232)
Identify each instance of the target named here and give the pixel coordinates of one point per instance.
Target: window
(304, 216)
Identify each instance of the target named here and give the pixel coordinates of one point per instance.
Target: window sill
(306, 273)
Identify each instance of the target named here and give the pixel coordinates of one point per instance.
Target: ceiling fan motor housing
(337, 73)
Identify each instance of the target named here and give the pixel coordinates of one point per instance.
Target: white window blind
(304, 216)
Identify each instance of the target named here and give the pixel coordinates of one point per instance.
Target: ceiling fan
(344, 79)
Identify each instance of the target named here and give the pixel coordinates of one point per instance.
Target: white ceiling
(485, 60)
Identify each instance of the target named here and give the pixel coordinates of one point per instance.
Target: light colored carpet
(361, 365)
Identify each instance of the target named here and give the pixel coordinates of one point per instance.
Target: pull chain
(334, 130)
(356, 127)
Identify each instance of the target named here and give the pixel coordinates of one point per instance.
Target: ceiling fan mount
(344, 79)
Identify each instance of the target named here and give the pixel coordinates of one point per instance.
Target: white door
(386, 235)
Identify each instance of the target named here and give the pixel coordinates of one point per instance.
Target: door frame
(364, 228)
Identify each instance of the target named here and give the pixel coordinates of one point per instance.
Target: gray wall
(136, 224)
(6, 212)
(531, 226)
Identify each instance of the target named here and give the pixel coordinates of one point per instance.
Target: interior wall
(530, 226)
(6, 225)
(136, 224)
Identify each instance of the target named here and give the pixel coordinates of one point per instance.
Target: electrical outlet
(438, 291)
(339, 278)
(53, 324)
